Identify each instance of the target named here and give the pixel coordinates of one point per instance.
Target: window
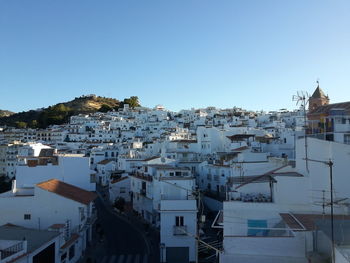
(347, 138)
(92, 178)
(27, 216)
(64, 256)
(71, 252)
(179, 221)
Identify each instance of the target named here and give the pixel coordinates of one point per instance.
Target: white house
(70, 168)
(120, 188)
(104, 169)
(53, 205)
(27, 245)
(178, 229)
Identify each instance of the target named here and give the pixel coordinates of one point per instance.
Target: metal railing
(11, 250)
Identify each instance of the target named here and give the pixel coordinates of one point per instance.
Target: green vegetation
(105, 108)
(21, 124)
(58, 114)
(61, 112)
(133, 102)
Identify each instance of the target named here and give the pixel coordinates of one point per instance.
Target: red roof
(57, 226)
(68, 191)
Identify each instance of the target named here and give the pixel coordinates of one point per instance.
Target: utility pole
(303, 98)
(330, 165)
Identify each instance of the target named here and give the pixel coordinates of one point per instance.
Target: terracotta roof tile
(67, 190)
(325, 109)
(318, 93)
(57, 226)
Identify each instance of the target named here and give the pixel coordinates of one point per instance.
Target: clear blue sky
(179, 53)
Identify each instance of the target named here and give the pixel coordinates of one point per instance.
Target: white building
(70, 168)
(56, 206)
(27, 245)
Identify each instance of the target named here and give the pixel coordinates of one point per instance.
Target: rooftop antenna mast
(302, 98)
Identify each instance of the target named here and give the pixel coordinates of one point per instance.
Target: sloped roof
(119, 179)
(318, 93)
(57, 226)
(325, 109)
(262, 177)
(68, 191)
(151, 158)
(240, 149)
(307, 222)
(106, 161)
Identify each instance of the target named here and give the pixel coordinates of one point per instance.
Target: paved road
(126, 258)
(120, 237)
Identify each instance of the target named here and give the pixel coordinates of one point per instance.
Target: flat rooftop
(35, 238)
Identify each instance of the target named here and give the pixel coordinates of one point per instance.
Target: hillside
(61, 112)
(5, 113)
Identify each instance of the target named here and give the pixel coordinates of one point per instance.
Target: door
(177, 254)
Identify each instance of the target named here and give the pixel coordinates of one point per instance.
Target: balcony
(12, 250)
(180, 230)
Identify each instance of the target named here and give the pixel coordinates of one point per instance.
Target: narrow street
(119, 240)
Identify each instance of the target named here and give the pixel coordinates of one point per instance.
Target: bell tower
(318, 98)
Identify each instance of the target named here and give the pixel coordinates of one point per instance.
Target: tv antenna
(302, 98)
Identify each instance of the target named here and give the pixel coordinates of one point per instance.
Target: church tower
(318, 98)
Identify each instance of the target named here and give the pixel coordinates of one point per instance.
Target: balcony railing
(11, 250)
(180, 230)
